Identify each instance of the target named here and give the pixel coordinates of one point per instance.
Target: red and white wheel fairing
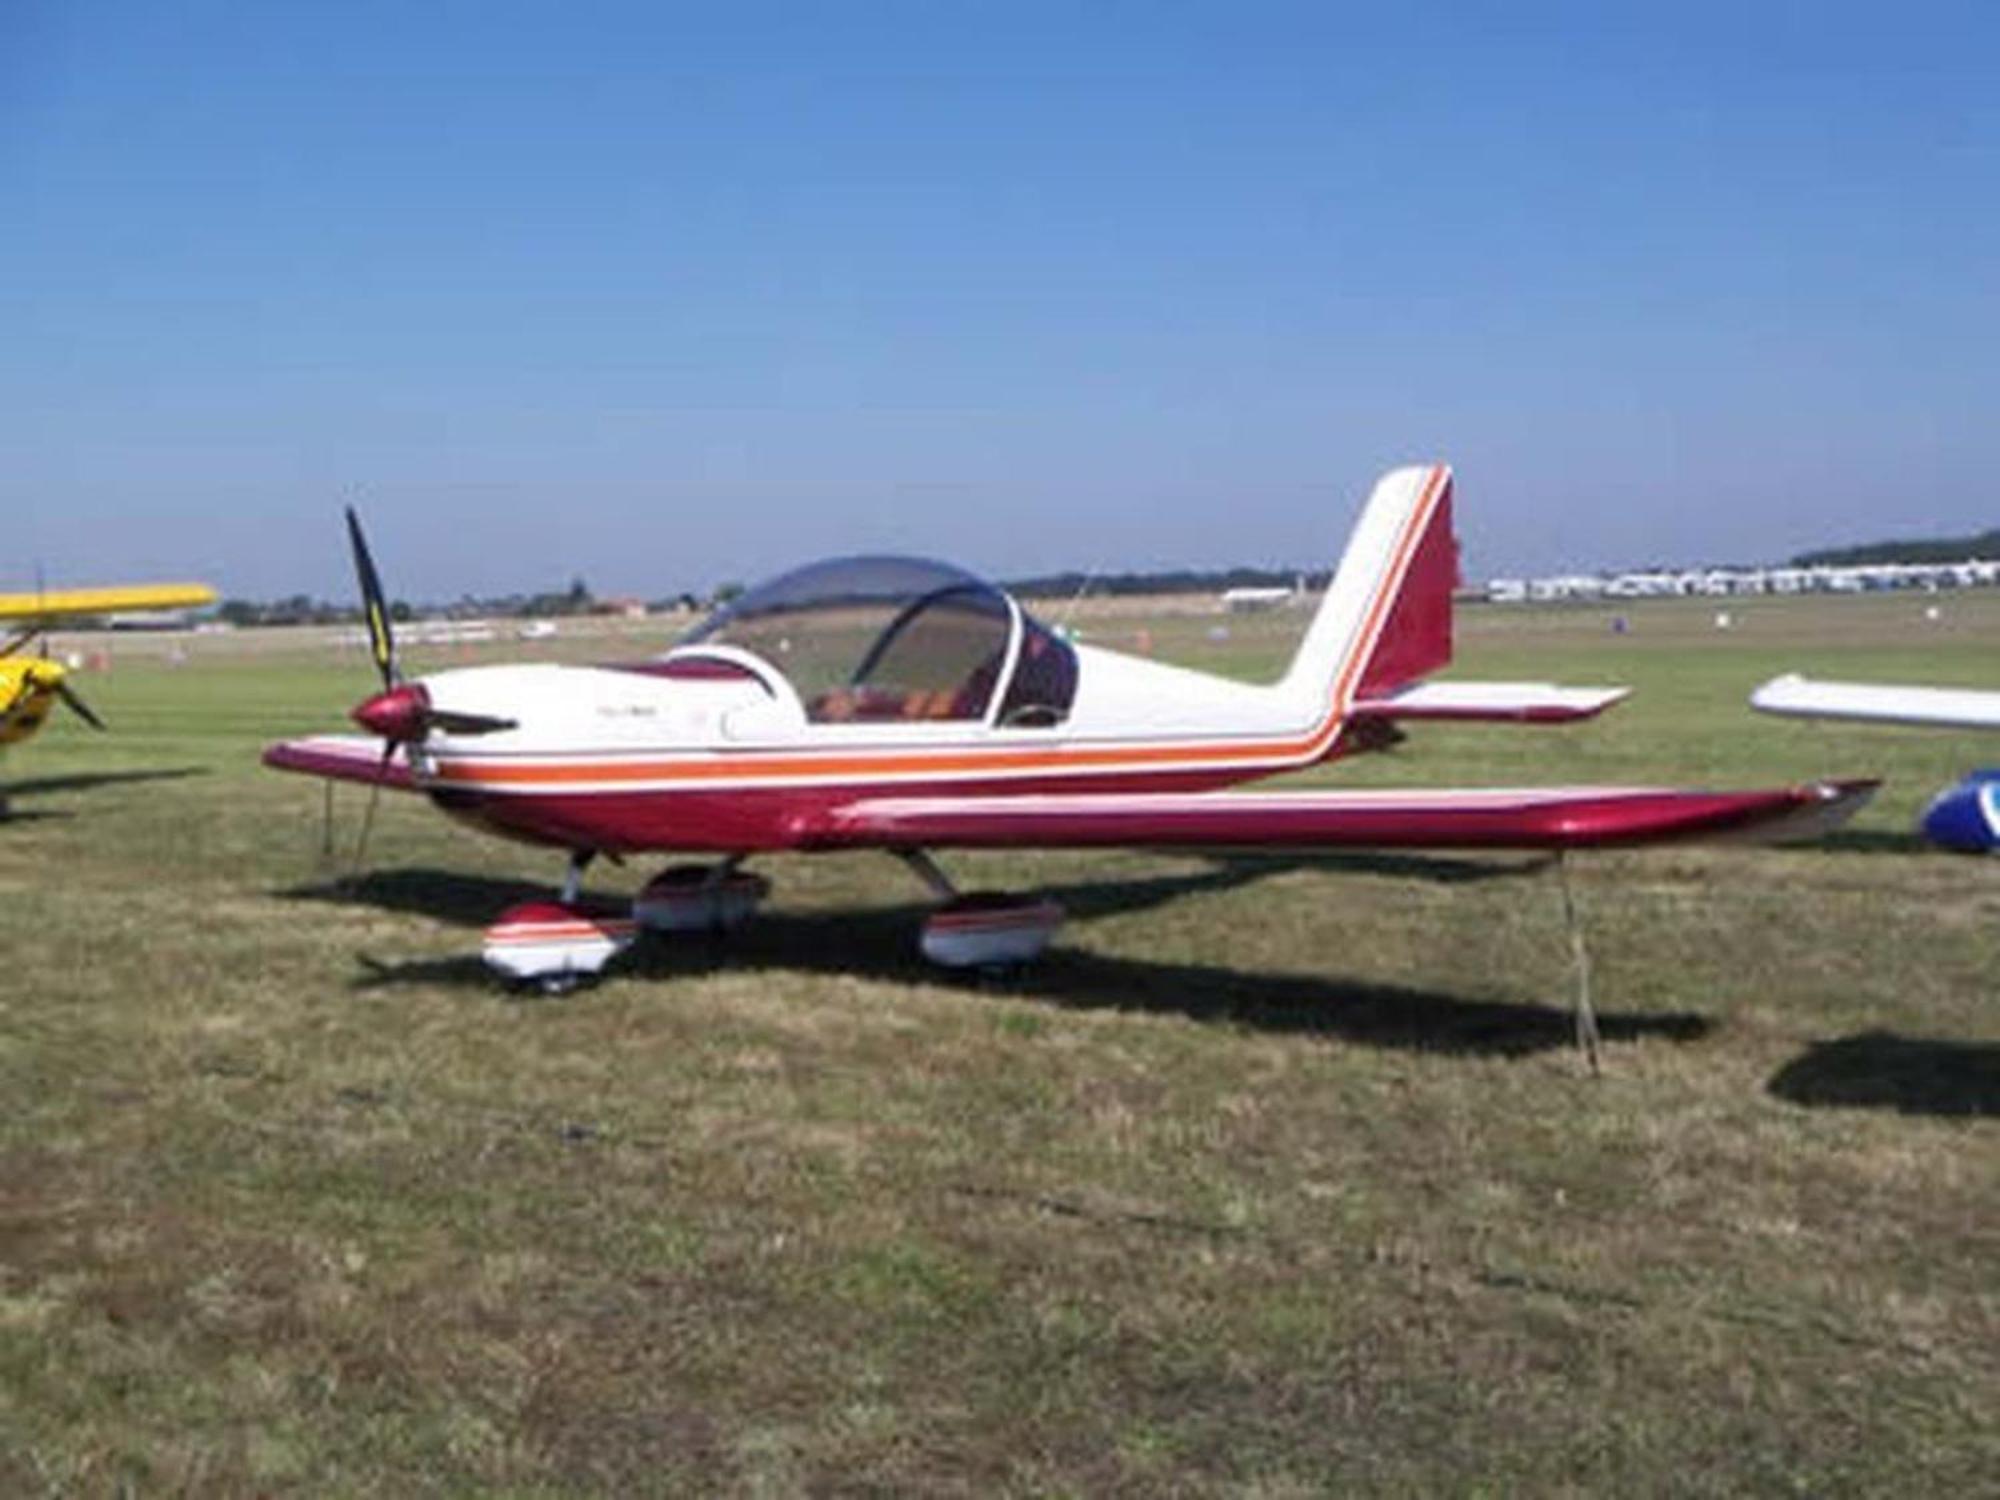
(545, 941)
(989, 930)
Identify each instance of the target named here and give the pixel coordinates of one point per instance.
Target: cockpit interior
(873, 640)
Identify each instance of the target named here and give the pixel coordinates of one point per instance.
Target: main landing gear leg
(926, 869)
(572, 886)
(1579, 958)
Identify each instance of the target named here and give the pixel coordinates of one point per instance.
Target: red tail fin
(1415, 639)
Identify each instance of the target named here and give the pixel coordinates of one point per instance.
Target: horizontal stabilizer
(1886, 703)
(343, 757)
(1483, 818)
(1505, 702)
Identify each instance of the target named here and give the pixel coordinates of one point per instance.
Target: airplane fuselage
(905, 705)
(712, 750)
(27, 696)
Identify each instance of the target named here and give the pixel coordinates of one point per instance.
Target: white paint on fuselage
(586, 713)
(1127, 697)
(561, 710)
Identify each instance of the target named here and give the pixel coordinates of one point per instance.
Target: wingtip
(1822, 807)
(1770, 695)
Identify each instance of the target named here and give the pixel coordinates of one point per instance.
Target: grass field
(1274, 1178)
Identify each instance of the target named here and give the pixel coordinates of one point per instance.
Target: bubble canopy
(875, 639)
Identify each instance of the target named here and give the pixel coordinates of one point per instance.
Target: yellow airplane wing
(54, 604)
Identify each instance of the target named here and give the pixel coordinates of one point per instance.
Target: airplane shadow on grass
(1881, 1070)
(1872, 841)
(879, 943)
(82, 781)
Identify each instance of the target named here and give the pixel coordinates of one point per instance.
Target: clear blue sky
(667, 294)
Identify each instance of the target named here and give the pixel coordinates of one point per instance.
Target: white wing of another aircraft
(1886, 703)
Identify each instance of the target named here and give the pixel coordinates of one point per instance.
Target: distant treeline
(1172, 581)
(1939, 550)
(300, 609)
(577, 599)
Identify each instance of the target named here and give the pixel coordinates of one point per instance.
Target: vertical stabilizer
(1386, 617)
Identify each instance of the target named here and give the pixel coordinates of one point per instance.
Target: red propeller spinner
(399, 714)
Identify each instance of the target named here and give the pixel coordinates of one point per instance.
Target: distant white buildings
(429, 633)
(1715, 583)
(1245, 601)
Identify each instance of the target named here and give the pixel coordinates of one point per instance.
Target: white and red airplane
(1965, 817)
(908, 706)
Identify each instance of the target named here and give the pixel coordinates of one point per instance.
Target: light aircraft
(1965, 817)
(908, 706)
(31, 686)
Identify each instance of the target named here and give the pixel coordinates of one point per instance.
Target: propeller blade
(77, 706)
(374, 607)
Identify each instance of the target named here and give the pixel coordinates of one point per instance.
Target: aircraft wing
(1508, 702)
(343, 757)
(1482, 818)
(54, 604)
(1887, 703)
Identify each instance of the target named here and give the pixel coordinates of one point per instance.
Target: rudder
(1385, 620)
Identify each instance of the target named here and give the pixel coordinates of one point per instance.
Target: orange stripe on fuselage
(750, 765)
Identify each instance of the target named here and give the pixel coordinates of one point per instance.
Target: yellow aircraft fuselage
(28, 691)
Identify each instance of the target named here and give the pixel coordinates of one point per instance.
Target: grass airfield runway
(1273, 1177)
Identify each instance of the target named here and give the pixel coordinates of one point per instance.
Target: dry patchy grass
(1275, 1178)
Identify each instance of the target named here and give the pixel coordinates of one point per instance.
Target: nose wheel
(554, 946)
(557, 946)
